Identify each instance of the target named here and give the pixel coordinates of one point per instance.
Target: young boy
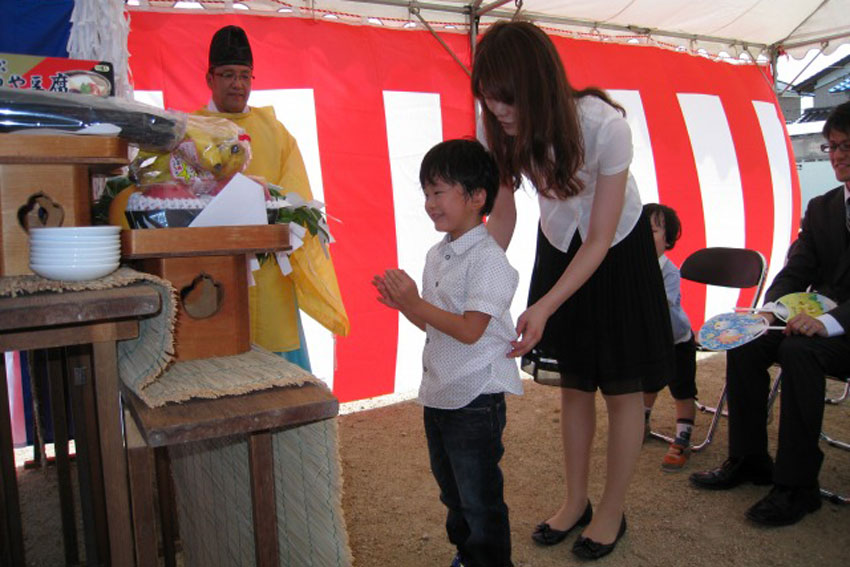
(467, 288)
(666, 230)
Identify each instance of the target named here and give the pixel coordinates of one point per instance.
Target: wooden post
(12, 536)
(56, 377)
(112, 452)
(261, 460)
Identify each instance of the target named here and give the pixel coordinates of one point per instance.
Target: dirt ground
(394, 516)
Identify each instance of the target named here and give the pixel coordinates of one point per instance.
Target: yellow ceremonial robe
(275, 156)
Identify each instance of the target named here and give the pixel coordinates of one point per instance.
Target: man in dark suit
(806, 350)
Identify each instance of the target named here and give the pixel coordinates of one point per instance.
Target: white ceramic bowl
(78, 263)
(106, 239)
(63, 257)
(74, 251)
(74, 273)
(76, 231)
(73, 247)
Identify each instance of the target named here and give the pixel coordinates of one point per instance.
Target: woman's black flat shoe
(586, 548)
(545, 535)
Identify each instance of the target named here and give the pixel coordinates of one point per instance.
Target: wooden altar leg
(12, 536)
(167, 509)
(140, 466)
(112, 454)
(261, 459)
(88, 455)
(56, 378)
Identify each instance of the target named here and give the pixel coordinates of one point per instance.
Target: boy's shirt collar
(466, 240)
(662, 260)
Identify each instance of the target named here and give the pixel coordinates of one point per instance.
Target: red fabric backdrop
(349, 67)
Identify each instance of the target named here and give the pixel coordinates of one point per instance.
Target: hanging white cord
(99, 30)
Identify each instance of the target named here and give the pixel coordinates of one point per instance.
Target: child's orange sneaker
(676, 457)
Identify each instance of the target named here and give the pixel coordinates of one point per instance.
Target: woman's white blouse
(607, 150)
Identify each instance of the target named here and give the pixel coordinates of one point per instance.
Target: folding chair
(834, 497)
(774, 392)
(834, 401)
(727, 267)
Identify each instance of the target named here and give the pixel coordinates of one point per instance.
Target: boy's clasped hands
(397, 289)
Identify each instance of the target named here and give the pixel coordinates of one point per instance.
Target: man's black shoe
(785, 505)
(735, 471)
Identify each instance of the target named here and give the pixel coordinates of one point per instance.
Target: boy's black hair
(465, 162)
(838, 120)
(672, 225)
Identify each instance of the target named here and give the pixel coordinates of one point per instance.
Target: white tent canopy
(756, 27)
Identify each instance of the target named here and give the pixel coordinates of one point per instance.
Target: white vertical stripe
(296, 109)
(780, 174)
(153, 98)
(643, 164)
(414, 125)
(720, 184)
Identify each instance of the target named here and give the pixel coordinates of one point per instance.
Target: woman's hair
(517, 64)
(672, 224)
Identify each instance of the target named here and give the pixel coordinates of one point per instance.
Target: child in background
(666, 230)
(467, 288)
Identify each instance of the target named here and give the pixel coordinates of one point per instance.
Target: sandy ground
(394, 516)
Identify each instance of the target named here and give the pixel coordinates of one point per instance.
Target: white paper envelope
(240, 202)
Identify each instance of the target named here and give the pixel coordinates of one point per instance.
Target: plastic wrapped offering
(139, 124)
(214, 149)
(170, 188)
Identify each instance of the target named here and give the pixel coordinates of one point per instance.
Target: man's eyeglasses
(230, 76)
(830, 148)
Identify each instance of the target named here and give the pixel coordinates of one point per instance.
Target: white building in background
(806, 106)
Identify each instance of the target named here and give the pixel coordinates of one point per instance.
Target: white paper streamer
(99, 30)
(283, 263)
(253, 265)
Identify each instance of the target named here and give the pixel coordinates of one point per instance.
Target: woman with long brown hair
(597, 314)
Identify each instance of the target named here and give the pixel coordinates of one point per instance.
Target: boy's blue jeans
(465, 446)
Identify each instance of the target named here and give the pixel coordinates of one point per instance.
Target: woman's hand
(604, 216)
(529, 329)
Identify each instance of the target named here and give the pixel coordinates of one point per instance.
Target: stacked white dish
(75, 253)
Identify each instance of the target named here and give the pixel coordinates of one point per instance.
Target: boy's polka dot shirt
(470, 273)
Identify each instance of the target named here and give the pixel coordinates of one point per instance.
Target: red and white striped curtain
(366, 103)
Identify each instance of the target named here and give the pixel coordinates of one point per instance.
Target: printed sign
(56, 74)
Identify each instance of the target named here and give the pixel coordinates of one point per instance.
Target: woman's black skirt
(614, 333)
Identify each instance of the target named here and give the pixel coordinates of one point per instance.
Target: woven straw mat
(140, 360)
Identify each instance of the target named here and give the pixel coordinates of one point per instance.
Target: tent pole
(415, 12)
(473, 33)
(492, 11)
(774, 61)
(803, 70)
(474, 20)
(490, 7)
